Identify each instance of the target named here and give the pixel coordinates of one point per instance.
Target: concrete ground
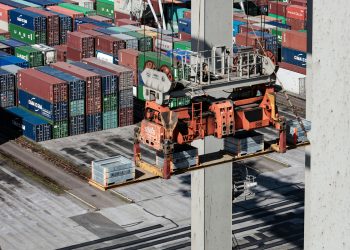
(159, 215)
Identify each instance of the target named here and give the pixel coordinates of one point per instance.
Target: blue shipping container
(2, 54)
(13, 43)
(52, 111)
(185, 25)
(107, 31)
(179, 54)
(13, 4)
(294, 57)
(65, 26)
(279, 25)
(271, 40)
(236, 26)
(76, 86)
(108, 79)
(27, 19)
(77, 125)
(43, 3)
(93, 123)
(14, 60)
(33, 127)
(92, 21)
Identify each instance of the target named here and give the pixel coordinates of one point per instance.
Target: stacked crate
(83, 10)
(49, 53)
(4, 17)
(125, 91)
(130, 41)
(184, 156)
(244, 143)
(30, 54)
(93, 94)
(105, 8)
(65, 24)
(61, 53)
(79, 46)
(7, 89)
(109, 95)
(296, 17)
(48, 98)
(52, 25)
(76, 99)
(295, 134)
(113, 170)
(129, 58)
(278, 10)
(27, 26)
(107, 48)
(145, 43)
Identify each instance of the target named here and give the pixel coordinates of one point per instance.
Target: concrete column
(327, 217)
(211, 202)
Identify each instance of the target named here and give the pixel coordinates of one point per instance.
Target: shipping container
(129, 58)
(93, 122)
(77, 125)
(278, 8)
(5, 34)
(52, 25)
(294, 40)
(13, 60)
(126, 21)
(7, 81)
(28, 53)
(292, 81)
(145, 42)
(65, 26)
(296, 24)
(28, 4)
(13, 69)
(33, 127)
(119, 30)
(93, 86)
(13, 4)
(110, 103)
(4, 12)
(105, 9)
(76, 86)
(27, 19)
(85, 3)
(294, 57)
(7, 99)
(82, 42)
(106, 57)
(184, 45)
(77, 8)
(43, 3)
(61, 52)
(110, 120)
(49, 53)
(60, 129)
(125, 98)
(46, 87)
(126, 116)
(86, 26)
(291, 67)
(102, 19)
(130, 42)
(26, 35)
(73, 14)
(184, 36)
(125, 75)
(296, 12)
(110, 45)
(185, 25)
(92, 33)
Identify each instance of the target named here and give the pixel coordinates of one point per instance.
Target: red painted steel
(294, 40)
(92, 33)
(42, 85)
(101, 19)
(109, 44)
(187, 14)
(52, 25)
(86, 26)
(4, 9)
(61, 52)
(184, 36)
(125, 21)
(292, 67)
(278, 8)
(120, 15)
(75, 55)
(93, 85)
(129, 58)
(81, 42)
(73, 14)
(296, 12)
(296, 24)
(298, 2)
(126, 116)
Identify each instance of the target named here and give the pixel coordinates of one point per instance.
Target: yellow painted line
(81, 200)
(122, 196)
(275, 160)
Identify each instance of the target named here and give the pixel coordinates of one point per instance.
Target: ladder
(197, 119)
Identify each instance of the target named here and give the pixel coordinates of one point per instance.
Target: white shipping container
(134, 91)
(50, 54)
(132, 6)
(85, 3)
(163, 45)
(104, 57)
(4, 25)
(292, 81)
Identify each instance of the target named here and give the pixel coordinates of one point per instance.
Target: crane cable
(299, 119)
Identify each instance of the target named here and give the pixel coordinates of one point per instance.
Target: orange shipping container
(4, 9)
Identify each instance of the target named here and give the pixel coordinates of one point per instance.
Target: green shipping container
(145, 42)
(106, 1)
(120, 30)
(110, 120)
(110, 103)
(140, 93)
(28, 53)
(184, 45)
(284, 20)
(105, 9)
(77, 8)
(77, 108)
(278, 32)
(59, 129)
(27, 36)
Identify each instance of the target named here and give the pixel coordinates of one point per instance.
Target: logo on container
(21, 20)
(36, 105)
(300, 58)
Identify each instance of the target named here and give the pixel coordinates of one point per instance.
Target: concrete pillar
(211, 202)
(327, 217)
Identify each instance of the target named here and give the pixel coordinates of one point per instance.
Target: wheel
(165, 69)
(150, 65)
(271, 55)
